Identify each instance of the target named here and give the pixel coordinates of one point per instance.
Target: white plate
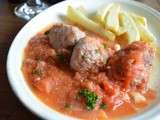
(50, 16)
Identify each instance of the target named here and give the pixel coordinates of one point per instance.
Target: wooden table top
(10, 107)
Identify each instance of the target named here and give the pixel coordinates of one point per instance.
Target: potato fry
(146, 35)
(112, 18)
(139, 19)
(97, 20)
(79, 18)
(101, 14)
(128, 23)
(121, 31)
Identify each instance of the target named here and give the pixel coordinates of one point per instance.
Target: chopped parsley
(47, 32)
(90, 97)
(103, 106)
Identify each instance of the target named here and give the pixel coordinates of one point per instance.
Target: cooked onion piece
(137, 97)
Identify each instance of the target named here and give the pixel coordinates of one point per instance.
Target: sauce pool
(57, 86)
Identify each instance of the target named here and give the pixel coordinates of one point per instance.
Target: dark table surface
(10, 107)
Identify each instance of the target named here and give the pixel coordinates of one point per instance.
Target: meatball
(62, 36)
(131, 64)
(88, 55)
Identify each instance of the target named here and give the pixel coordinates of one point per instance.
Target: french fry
(79, 18)
(129, 25)
(121, 31)
(139, 19)
(146, 35)
(112, 18)
(101, 14)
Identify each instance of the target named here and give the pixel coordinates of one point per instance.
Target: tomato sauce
(57, 85)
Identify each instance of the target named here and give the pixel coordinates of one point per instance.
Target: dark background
(48, 1)
(10, 107)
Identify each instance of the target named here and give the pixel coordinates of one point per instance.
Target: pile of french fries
(112, 21)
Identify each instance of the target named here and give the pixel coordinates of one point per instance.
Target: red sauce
(56, 85)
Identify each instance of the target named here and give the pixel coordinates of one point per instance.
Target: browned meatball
(88, 55)
(131, 64)
(62, 36)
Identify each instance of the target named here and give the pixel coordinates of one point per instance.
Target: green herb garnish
(90, 97)
(47, 32)
(103, 106)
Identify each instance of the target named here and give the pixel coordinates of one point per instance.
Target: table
(153, 3)
(10, 107)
